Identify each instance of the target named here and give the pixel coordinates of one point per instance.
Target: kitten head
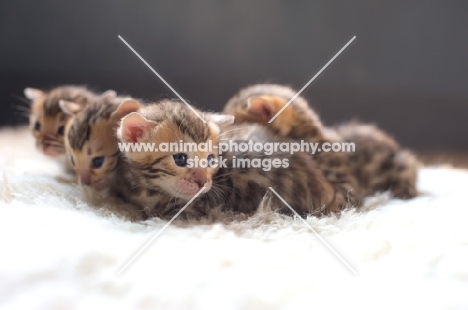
(47, 120)
(90, 139)
(176, 172)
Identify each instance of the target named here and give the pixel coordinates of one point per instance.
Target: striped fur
(149, 179)
(259, 103)
(377, 164)
(90, 135)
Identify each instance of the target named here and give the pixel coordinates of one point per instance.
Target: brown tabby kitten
(161, 182)
(259, 103)
(90, 139)
(47, 121)
(378, 163)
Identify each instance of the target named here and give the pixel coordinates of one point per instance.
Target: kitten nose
(85, 178)
(49, 136)
(199, 176)
(45, 143)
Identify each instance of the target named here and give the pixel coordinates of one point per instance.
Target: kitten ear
(69, 107)
(33, 93)
(260, 107)
(222, 120)
(133, 127)
(109, 94)
(127, 106)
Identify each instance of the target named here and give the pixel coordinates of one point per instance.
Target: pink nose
(85, 178)
(51, 149)
(49, 136)
(199, 176)
(47, 143)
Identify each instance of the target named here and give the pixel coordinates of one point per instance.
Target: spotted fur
(378, 163)
(259, 103)
(154, 182)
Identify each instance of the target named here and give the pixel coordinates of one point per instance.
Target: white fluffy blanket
(57, 251)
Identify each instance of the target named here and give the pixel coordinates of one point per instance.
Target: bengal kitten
(90, 140)
(378, 162)
(47, 121)
(161, 182)
(259, 103)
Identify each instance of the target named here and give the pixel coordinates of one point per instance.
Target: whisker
(21, 114)
(223, 175)
(235, 129)
(22, 99)
(229, 131)
(21, 108)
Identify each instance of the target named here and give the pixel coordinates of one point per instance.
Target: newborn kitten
(259, 103)
(161, 182)
(47, 121)
(378, 162)
(90, 140)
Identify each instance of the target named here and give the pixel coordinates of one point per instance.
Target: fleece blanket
(60, 250)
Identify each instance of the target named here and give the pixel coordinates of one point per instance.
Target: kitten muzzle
(193, 183)
(199, 177)
(85, 178)
(52, 148)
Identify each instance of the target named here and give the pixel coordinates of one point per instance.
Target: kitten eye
(37, 126)
(60, 130)
(72, 161)
(211, 159)
(97, 162)
(180, 159)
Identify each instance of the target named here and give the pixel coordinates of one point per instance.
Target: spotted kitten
(90, 140)
(378, 162)
(259, 103)
(162, 182)
(47, 121)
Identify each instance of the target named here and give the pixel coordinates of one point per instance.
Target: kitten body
(259, 103)
(161, 185)
(296, 122)
(377, 164)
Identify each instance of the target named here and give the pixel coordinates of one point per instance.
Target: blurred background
(407, 71)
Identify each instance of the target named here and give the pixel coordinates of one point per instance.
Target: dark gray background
(407, 70)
